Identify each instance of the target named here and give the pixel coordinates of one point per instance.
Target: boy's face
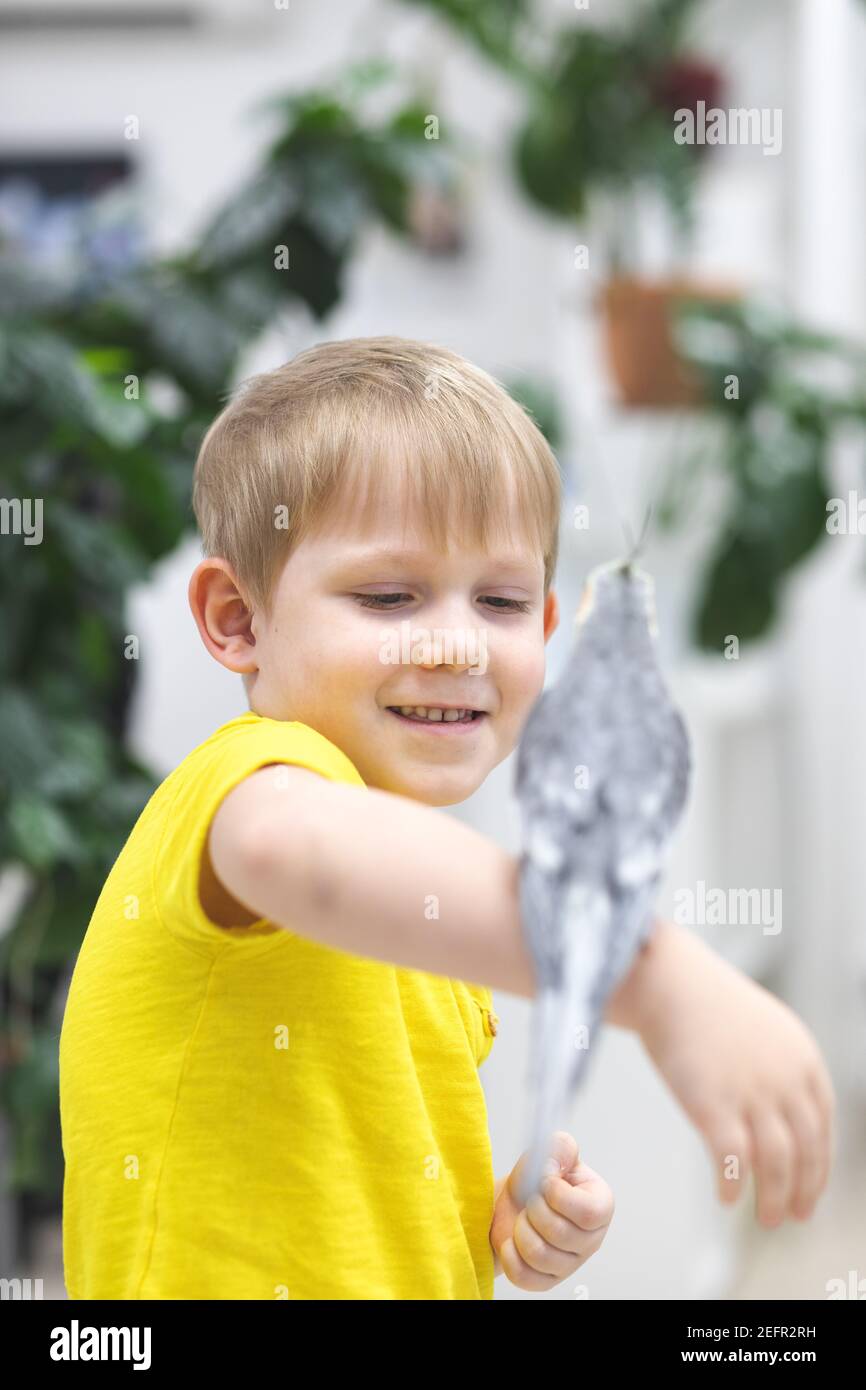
(353, 634)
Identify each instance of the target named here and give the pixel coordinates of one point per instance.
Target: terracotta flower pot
(639, 339)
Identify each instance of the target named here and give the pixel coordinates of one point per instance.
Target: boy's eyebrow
(374, 558)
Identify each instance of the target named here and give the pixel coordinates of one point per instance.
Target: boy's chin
(435, 786)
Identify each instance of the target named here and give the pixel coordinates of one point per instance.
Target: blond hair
(325, 424)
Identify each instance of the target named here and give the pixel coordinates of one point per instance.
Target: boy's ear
(221, 615)
(551, 614)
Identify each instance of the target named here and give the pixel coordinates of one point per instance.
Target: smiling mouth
(437, 717)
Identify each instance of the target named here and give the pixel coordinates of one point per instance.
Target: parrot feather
(602, 777)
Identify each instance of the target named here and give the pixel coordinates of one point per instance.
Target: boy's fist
(539, 1245)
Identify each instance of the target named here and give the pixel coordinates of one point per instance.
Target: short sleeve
(201, 783)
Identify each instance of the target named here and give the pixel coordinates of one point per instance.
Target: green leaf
(492, 25)
(40, 834)
(82, 762)
(334, 203)
(546, 164)
(43, 368)
(253, 220)
(315, 273)
(120, 800)
(25, 753)
(364, 76)
(540, 400)
(96, 547)
(738, 595)
(185, 326)
(30, 1096)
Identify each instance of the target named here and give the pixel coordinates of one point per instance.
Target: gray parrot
(602, 777)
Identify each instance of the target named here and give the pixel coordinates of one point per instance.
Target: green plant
(498, 28)
(779, 393)
(600, 101)
(541, 401)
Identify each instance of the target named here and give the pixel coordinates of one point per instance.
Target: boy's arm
(373, 873)
(383, 876)
(628, 1003)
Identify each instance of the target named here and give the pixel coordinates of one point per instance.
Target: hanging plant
(779, 393)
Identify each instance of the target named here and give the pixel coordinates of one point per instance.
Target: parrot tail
(556, 1060)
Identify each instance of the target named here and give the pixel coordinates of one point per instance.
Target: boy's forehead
(379, 556)
(385, 537)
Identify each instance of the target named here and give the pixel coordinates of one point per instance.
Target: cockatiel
(602, 777)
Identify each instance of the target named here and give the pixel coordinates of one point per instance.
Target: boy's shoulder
(169, 841)
(251, 739)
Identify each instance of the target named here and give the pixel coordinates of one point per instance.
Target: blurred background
(647, 219)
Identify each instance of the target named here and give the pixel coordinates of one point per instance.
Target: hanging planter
(639, 342)
(600, 129)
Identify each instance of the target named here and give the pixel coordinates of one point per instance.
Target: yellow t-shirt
(249, 1114)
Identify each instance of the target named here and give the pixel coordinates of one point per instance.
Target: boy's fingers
(557, 1230)
(810, 1134)
(564, 1150)
(563, 1156)
(821, 1091)
(773, 1164)
(730, 1145)
(586, 1201)
(820, 1085)
(515, 1268)
(538, 1253)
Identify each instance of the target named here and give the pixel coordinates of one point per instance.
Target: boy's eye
(377, 600)
(511, 605)
(516, 605)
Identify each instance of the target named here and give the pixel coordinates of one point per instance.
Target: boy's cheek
(528, 682)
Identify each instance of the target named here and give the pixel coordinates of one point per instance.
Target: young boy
(269, 1055)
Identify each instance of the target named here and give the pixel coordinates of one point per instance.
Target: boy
(269, 1054)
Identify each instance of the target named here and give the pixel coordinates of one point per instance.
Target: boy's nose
(461, 651)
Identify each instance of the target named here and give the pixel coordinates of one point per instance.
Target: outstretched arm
(373, 873)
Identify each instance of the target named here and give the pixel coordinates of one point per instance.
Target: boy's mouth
(437, 718)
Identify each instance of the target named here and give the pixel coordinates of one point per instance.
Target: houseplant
(779, 393)
(596, 144)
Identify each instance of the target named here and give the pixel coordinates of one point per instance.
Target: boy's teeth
(425, 712)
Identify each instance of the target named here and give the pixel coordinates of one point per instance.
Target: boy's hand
(539, 1245)
(747, 1072)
